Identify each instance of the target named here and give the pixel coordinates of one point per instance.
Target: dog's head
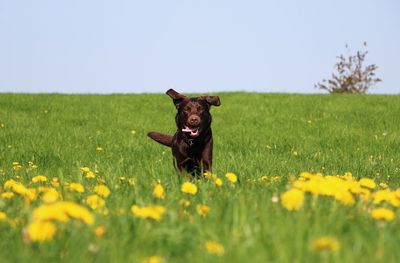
(193, 115)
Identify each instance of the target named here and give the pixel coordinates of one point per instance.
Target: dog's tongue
(193, 132)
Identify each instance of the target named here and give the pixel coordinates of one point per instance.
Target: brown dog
(192, 143)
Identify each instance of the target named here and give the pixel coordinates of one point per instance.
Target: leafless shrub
(351, 77)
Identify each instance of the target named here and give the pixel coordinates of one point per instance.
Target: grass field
(266, 140)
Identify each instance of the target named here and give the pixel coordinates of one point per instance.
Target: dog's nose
(194, 120)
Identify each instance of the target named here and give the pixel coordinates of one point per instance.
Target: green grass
(254, 135)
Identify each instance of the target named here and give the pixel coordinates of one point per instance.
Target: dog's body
(192, 143)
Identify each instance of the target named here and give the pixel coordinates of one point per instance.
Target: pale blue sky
(82, 46)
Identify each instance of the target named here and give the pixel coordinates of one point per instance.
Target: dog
(192, 144)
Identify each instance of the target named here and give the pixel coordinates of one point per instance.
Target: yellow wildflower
(325, 244)
(189, 188)
(90, 175)
(3, 216)
(293, 199)
(382, 214)
(368, 183)
(95, 201)
(158, 191)
(214, 248)
(7, 195)
(50, 196)
(218, 182)
(39, 178)
(152, 259)
(383, 185)
(63, 211)
(77, 187)
(153, 211)
(209, 175)
(202, 210)
(41, 230)
(345, 198)
(133, 132)
(102, 190)
(99, 149)
(231, 177)
(85, 169)
(16, 165)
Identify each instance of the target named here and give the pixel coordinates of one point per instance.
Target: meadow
(296, 178)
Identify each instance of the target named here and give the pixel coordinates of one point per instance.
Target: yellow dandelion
(90, 175)
(231, 177)
(95, 201)
(16, 165)
(3, 216)
(209, 175)
(102, 190)
(382, 214)
(39, 179)
(41, 231)
(158, 191)
(152, 212)
(325, 243)
(292, 199)
(133, 132)
(368, 183)
(218, 182)
(99, 149)
(152, 259)
(85, 169)
(214, 248)
(202, 210)
(7, 195)
(189, 188)
(50, 196)
(77, 187)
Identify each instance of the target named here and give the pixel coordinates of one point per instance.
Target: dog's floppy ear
(176, 97)
(212, 100)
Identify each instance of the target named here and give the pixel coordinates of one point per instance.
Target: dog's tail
(164, 139)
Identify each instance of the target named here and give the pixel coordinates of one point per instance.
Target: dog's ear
(176, 97)
(212, 100)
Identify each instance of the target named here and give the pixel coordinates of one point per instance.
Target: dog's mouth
(194, 132)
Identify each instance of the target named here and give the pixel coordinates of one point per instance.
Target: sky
(116, 46)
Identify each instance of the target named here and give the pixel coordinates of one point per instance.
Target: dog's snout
(194, 120)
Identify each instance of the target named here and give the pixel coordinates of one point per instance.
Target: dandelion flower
(133, 132)
(293, 199)
(132, 181)
(90, 175)
(39, 179)
(189, 188)
(202, 210)
(152, 212)
(231, 177)
(50, 196)
(95, 201)
(325, 244)
(99, 149)
(158, 191)
(214, 248)
(41, 230)
(218, 182)
(85, 169)
(382, 214)
(3, 216)
(102, 190)
(368, 183)
(55, 182)
(152, 259)
(7, 195)
(77, 187)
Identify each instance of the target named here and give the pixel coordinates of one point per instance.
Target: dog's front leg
(206, 157)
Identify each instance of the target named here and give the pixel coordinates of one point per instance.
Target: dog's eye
(187, 109)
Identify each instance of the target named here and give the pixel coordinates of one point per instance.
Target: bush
(351, 77)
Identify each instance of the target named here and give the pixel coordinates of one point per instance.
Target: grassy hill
(267, 140)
